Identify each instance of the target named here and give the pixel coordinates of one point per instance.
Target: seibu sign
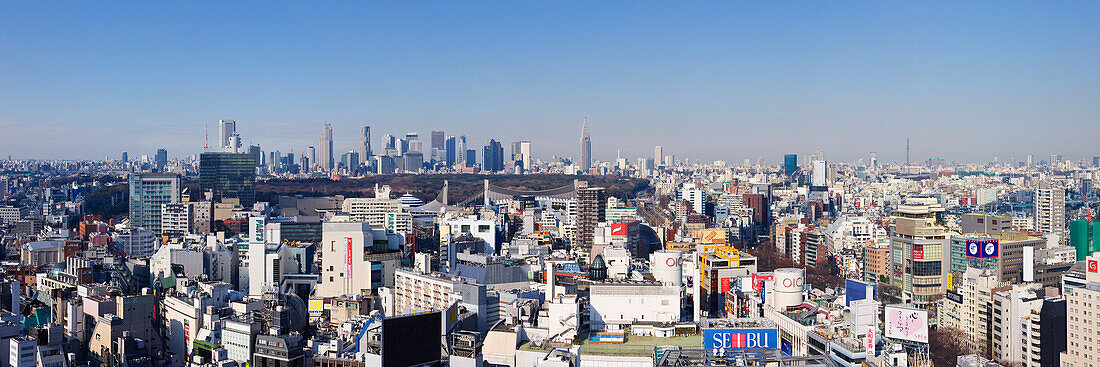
(740, 339)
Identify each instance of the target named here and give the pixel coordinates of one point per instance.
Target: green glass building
(229, 175)
(1082, 237)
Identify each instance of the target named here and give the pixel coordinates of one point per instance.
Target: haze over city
(711, 81)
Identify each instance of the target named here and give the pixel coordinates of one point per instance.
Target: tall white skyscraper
(228, 139)
(460, 150)
(525, 152)
(324, 156)
(820, 175)
(1050, 210)
(658, 154)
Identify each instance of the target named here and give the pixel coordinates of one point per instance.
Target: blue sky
(707, 80)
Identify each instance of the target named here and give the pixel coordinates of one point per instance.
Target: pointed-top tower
(586, 146)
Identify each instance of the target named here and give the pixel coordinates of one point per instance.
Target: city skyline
(746, 80)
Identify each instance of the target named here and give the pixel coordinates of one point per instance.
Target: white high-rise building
(658, 154)
(324, 156)
(356, 259)
(1013, 314)
(820, 175)
(1050, 211)
(228, 139)
(525, 154)
(1082, 303)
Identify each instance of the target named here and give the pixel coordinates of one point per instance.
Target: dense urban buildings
(882, 187)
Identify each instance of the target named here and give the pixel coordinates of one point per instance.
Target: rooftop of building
(639, 346)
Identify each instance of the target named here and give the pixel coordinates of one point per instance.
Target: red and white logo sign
(792, 282)
(1092, 266)
(347, 264)
(870, 341)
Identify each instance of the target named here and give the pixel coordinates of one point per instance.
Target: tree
(825, 274)
(945, 344)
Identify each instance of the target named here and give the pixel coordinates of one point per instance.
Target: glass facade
(229, 175)
(148, 192)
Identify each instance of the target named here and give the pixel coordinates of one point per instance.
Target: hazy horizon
(713, 81)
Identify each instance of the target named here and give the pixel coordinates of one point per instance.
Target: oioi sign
(740, 338)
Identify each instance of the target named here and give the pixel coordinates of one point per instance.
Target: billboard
(869, 344)
(316, 307)
(347, 259)
(712, 236)
(625, 229)
(954, 296)
(918, 252)
(982, 249)
(1092, 266)
(907, 323)
(758, 281)
(855, 290)
(745, 338)
(256, 229)
(744, 284)
(411, 340)
(725, 286)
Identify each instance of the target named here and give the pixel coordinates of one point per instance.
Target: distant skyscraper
(148, 192)
(658, 154)
(586, 147)
(324, 157)
(525, 153)
(364, 145)
(311, 155)
(521, 154)
(493, 157)
(460, 149)
(161, 159)
(228, 175)
(449, 151)
(125, 157)
(257, 154)
(437, 140)
(390, 142)
(412, 143)
(471, 157)
(228, 139)
(790, 164)
(1029, 163)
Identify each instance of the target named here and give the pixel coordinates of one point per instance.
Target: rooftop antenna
(206, 132)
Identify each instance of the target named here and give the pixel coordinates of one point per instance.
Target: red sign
(870, 341)
(758, 282)
(725, 285)
(1092, 266)
(625, 229)
(918, 252)
(347, 264)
